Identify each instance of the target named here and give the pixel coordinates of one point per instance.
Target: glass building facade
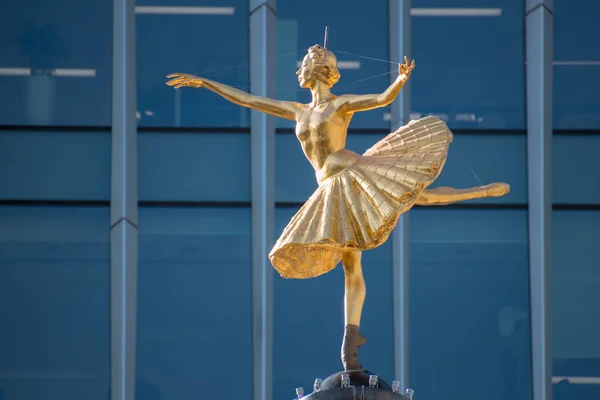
(203, 295)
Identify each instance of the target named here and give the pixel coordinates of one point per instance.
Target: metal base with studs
(354, 385)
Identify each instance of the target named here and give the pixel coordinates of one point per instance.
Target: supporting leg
(354, 298)
(446, 195)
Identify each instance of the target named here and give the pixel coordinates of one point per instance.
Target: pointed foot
(497, 189)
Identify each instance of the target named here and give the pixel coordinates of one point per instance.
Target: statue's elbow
(384, 100)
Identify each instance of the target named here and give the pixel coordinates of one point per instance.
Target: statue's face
(306, 73)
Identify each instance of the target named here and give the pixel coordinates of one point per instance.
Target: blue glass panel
(492, 158)
(194, 302)
(308, 321)
(55, 63)
(204, 38)
(469, 304)
(576, 64)
(55, 165)
(301, 24)
(575, 170)
(54, 303)
(469, 68)
(194, 167)
(575, 298)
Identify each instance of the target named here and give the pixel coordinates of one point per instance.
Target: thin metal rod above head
(326, 36)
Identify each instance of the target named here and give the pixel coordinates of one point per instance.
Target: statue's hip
(335, 163)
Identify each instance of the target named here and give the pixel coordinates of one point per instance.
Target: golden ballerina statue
(360, 197)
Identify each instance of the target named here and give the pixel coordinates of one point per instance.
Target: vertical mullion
(123, 208)
(399, 45)
(262, 143)
(539, 42)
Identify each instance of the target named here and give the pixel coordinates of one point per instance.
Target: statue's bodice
(322, 132)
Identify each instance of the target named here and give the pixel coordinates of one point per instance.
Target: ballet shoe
(352, 341)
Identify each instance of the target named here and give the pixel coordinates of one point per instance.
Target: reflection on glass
(54, 303)
(576, 65)
(209, 40)
(470, 63)
(49, 72)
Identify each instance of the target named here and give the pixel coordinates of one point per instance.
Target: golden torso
(322, 132)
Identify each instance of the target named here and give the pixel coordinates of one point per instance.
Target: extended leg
(354, 298)
(445, 195)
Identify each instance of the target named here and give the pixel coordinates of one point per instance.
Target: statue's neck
(320, 94)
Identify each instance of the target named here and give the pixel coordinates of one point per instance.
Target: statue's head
(319, 65)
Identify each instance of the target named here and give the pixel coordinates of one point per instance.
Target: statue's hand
(406, 69)
(181, 80)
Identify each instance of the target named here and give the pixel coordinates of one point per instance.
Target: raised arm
(283, 109)
(353, 103)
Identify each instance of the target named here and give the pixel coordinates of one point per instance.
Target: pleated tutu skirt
(357, 208)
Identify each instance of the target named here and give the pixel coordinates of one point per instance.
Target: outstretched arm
(283, 109)
(353, 103)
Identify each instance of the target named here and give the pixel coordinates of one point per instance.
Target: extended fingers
(178, 80)
(408, 64)
(175, 81)
(178, 77)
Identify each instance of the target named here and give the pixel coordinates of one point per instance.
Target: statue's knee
(423, 199)
(351, 259)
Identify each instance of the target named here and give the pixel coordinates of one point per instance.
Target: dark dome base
(358, 388)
